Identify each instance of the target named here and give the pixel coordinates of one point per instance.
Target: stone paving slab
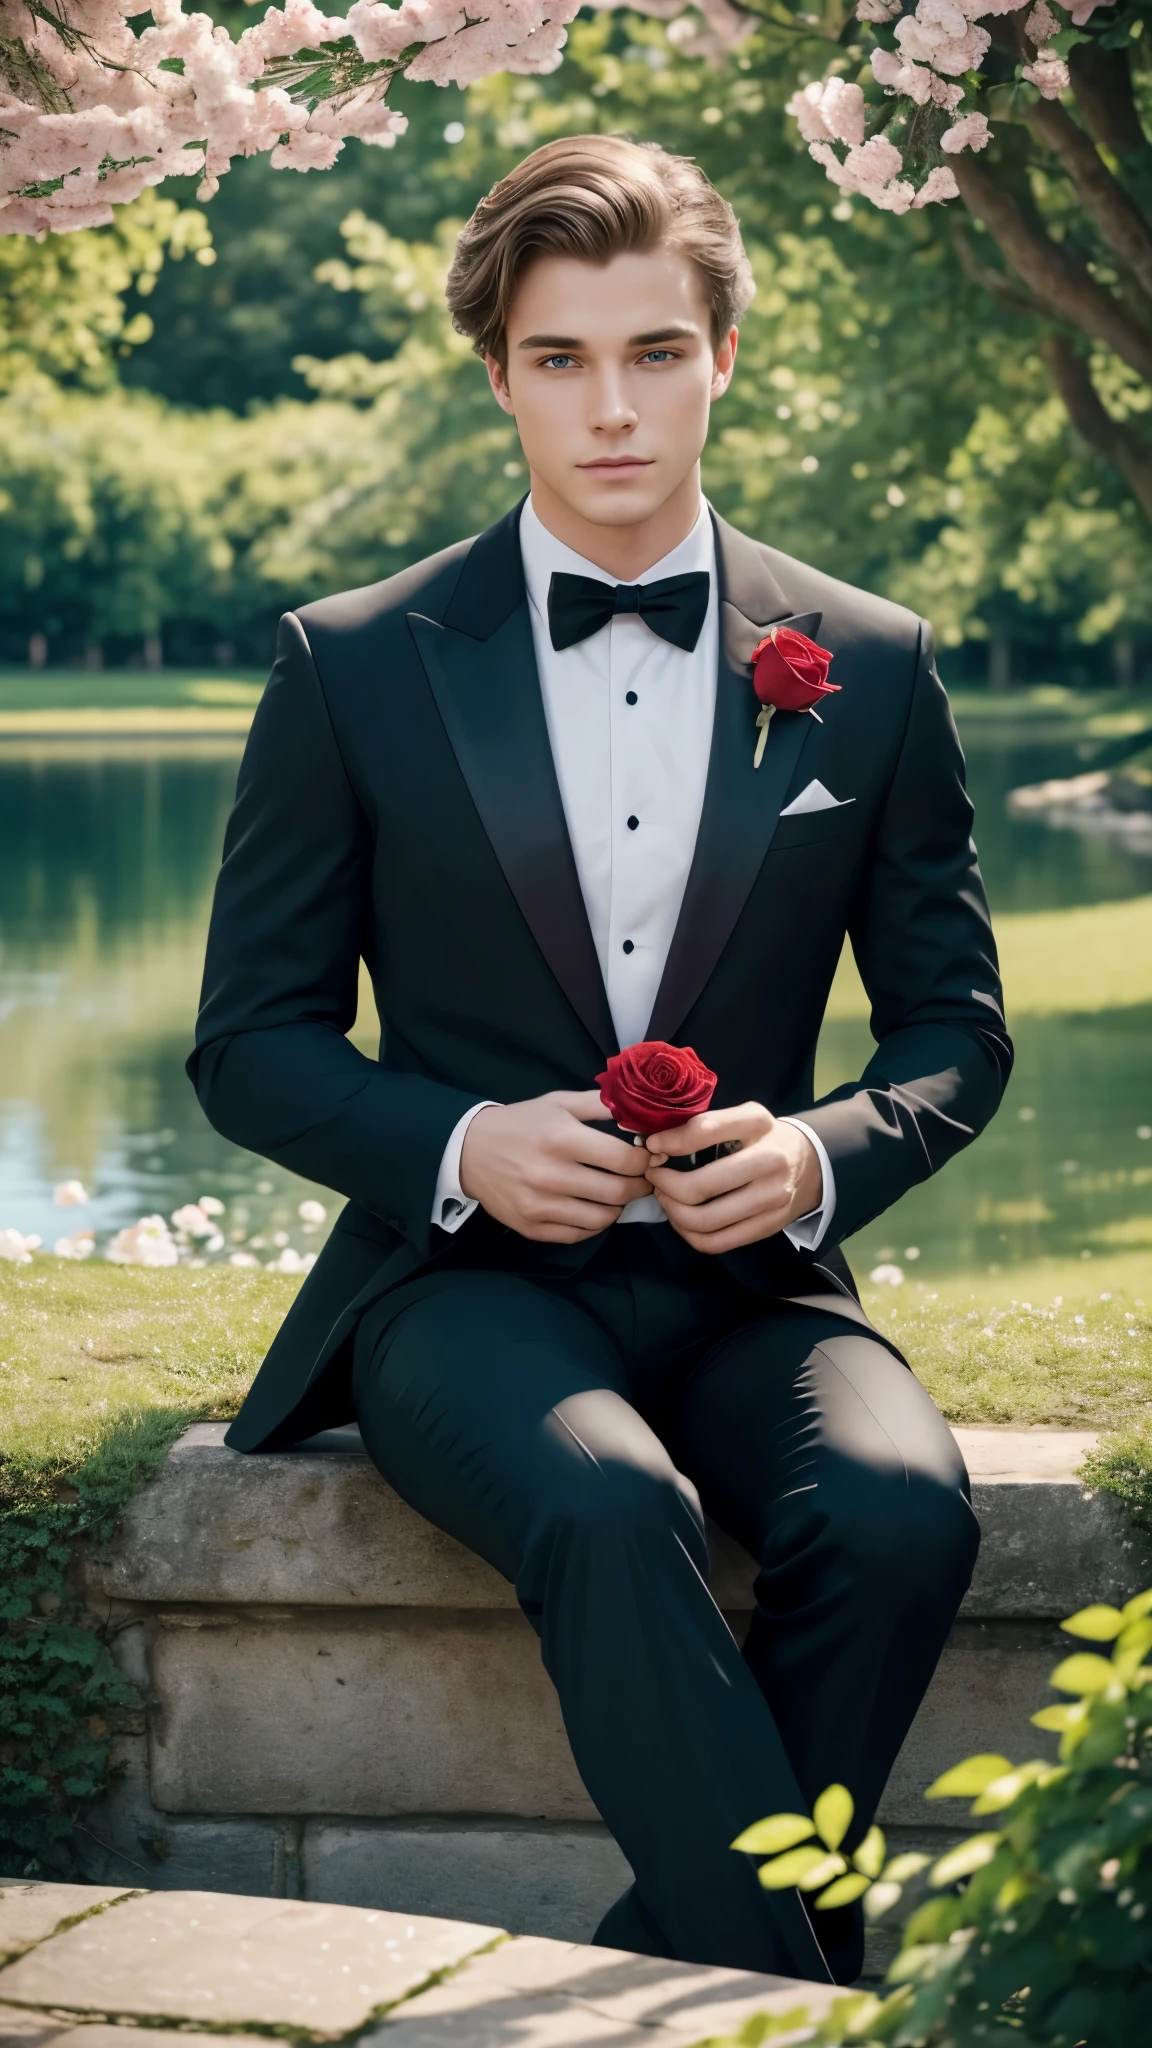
(541, 1994)
(29, 1912)
(209, 1956)
(94, 2035)
(29, 2029)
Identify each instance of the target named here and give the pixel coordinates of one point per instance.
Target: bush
(1040, 1929)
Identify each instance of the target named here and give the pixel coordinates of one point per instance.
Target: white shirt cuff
(808, 1232)
(451, 1207)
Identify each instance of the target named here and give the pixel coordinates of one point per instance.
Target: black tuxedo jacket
(398, 801)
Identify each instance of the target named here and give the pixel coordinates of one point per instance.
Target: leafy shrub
(1039, 1929)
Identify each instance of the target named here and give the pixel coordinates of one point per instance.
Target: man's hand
(538, 1168)
(774, 1178)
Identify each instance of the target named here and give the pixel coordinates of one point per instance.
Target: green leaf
(881, 1897)
(769, 1837)
(966, 1780)
(903, 1867)
(1002, 1791)
(968, 1857)
(845, 1891)
(797, 1866)
(832, 1865)
(832, 1814)
(870, 1855)
(1132, 1647)
(1136, 1608)
(1068, 1714)
(1083, 1674)
(1095, 1624)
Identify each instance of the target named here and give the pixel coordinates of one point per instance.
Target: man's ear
(498, 379)
(725, 363)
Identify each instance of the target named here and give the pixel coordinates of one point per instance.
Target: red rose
(790, 671)
(654, 1086)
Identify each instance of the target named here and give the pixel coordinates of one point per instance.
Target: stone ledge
(318, 1527)
(328, 1972)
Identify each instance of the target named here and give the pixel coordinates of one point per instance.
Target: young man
(519, 781)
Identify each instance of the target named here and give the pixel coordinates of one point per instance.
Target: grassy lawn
(85, 1349)
(60, 702)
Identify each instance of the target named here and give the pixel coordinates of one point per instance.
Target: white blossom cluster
(938, 43)
(192, 1236)
(93, 110)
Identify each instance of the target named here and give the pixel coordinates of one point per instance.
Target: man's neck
(625, 552)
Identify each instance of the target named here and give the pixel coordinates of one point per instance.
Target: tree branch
(1110, 438)
(1061, 283)
(996, 283)
(1116, 215)
(1102, 85)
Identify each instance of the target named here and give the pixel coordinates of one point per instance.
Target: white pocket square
(815, 798)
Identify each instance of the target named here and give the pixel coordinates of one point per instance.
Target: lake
(108, 852)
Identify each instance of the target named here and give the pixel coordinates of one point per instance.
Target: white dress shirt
(630, 722)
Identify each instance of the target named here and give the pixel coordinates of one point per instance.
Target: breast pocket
(839, 822)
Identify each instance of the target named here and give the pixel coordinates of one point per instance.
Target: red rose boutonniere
(789, 673)
(655, 1087)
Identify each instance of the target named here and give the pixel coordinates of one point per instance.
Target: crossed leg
(500, 1409)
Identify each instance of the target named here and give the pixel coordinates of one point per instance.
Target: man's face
(611, 374)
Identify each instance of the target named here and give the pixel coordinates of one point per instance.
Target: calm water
(107, 858)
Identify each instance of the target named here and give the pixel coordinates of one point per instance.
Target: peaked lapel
(480, 661)
(741, 803)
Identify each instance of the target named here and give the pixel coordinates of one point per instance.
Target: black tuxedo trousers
(575, 1432)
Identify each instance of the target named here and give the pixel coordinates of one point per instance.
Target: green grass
(1102, 714)
(68, 689)
(84, 1347)
(1080, 961)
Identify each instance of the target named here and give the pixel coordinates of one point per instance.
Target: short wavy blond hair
(593, 197)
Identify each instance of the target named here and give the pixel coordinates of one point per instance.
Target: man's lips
(611, 462)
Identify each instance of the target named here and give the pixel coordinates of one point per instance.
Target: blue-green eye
(658, 355)
(557, 362)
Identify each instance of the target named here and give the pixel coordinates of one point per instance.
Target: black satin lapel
(488, 695)
(741, 807)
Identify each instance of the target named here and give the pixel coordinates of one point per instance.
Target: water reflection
(107, 859)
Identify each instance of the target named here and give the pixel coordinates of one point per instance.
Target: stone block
(124, 1836)
(30, 1912)
(338, 1713)
(991, 1679)
(551, 1994)
(550, 1880)
(210, 1957)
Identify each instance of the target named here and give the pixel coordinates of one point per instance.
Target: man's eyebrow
(676, 332)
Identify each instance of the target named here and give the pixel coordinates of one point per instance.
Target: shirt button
(628, 946)
(631, 697)
(632, 823)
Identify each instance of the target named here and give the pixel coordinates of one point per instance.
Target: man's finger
(723, 1213)
(585, 1104)
(703, 1183)
(713, 1127)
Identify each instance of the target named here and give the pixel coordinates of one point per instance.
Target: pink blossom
(1049, 74)
(972, 132)
(940, 184)
(829, 110)
(877, 10)
(1042, 24)
(940, 34)
(80, 1246)
(146, 1243)
(68, 1193)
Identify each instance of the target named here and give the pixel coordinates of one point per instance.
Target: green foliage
(1039, 1930)
(63, 299)
(85, 1420)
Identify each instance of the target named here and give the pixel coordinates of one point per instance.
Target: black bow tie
(674, 607)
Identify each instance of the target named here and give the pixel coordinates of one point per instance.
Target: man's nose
(612, 409)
